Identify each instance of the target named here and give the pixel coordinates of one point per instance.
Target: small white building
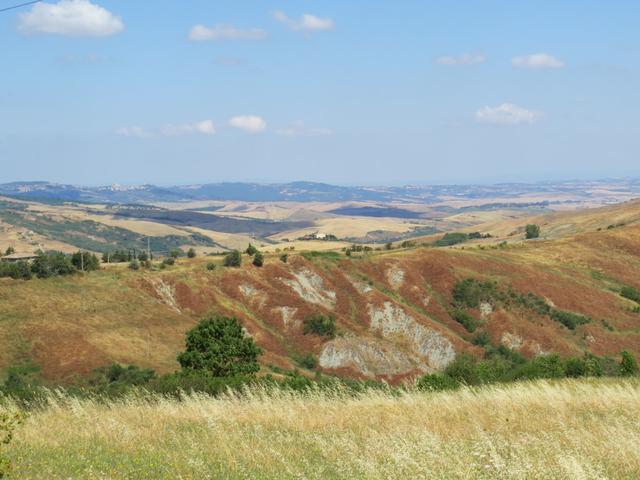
(19, 257)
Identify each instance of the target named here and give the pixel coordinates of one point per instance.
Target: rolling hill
(395, 310)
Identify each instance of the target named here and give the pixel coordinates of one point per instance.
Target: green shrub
(211, 266)
(628, 364)
(465, 319)
(318, 324)
(191, 253)
(569, 319)
(532, 231)
(233, 259)
(482, 339)
(284, 258)
(134, 265)
(308, 361)
(471, 292)
(85, 261)
(17, 271)
(169, 261)
(436, 383)
(450, 239)
(52, 264)
(631, 293)
(258, 259)
(218, 347)
(251, 250)
(314, 254)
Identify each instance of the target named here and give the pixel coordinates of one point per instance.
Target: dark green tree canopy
(233, 259)
(219, 347)
(532, 231)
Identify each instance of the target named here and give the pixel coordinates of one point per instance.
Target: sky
(352, 92)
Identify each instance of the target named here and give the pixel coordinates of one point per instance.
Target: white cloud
(464, 59)
(507, 114)
(298, 129)
(79, 18)
(306, 23)
(134, 132)
(249, 123)
(205, 127)
(537, 61)
(201, 33)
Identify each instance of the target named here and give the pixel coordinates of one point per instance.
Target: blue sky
(357, 92)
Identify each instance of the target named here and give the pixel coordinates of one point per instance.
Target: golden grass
(555, 430)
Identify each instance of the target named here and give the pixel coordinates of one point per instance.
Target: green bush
(251, 250)
(191, 253)
(233, 259)
(450, 239)
(569, 319)
(465, 319)
(284, 258)
(85, 261)
(482, 339)
(471, 292)
(628, 364)
(134, 265)
(211, 266)
(318, 324)
(532, 231)
(258, 259)
(218, 347)
(17, 271)
(631, 293)
(52, 264)
(436, 383)
(308, 361)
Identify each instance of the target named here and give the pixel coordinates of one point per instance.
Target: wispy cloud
(537, 61)
(299, 129)
(205, 127)
(202, 33)
(507, 114)
(249, 123)
(464, 59)
(78, 18)
(306, 23)
(134, 132)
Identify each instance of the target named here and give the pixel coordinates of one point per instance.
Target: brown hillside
(392, 308)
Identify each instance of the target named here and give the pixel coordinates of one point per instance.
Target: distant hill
(558, 192)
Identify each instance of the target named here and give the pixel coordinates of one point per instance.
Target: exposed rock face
(435, 352)
(253, 294)
(512, 341)
(486, 309)
(395, 275)
(166, 292)
(288, 316)
(362, 287)
(311, 288)
(371, 357)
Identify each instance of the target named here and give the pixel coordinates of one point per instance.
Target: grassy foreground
(566, 429)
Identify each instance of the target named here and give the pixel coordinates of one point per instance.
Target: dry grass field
(543, 430)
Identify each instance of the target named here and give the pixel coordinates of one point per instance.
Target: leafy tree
(10, 251)
(52, 264)
(251, 250)
(258, 259)
(175, 253)
(191, 253)
(218, 347)
(284, 258)
(134, 265)
(211, 266)
(532, 231)
(143, 256)
(628, 364)
(85, 261)
(233, 259)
